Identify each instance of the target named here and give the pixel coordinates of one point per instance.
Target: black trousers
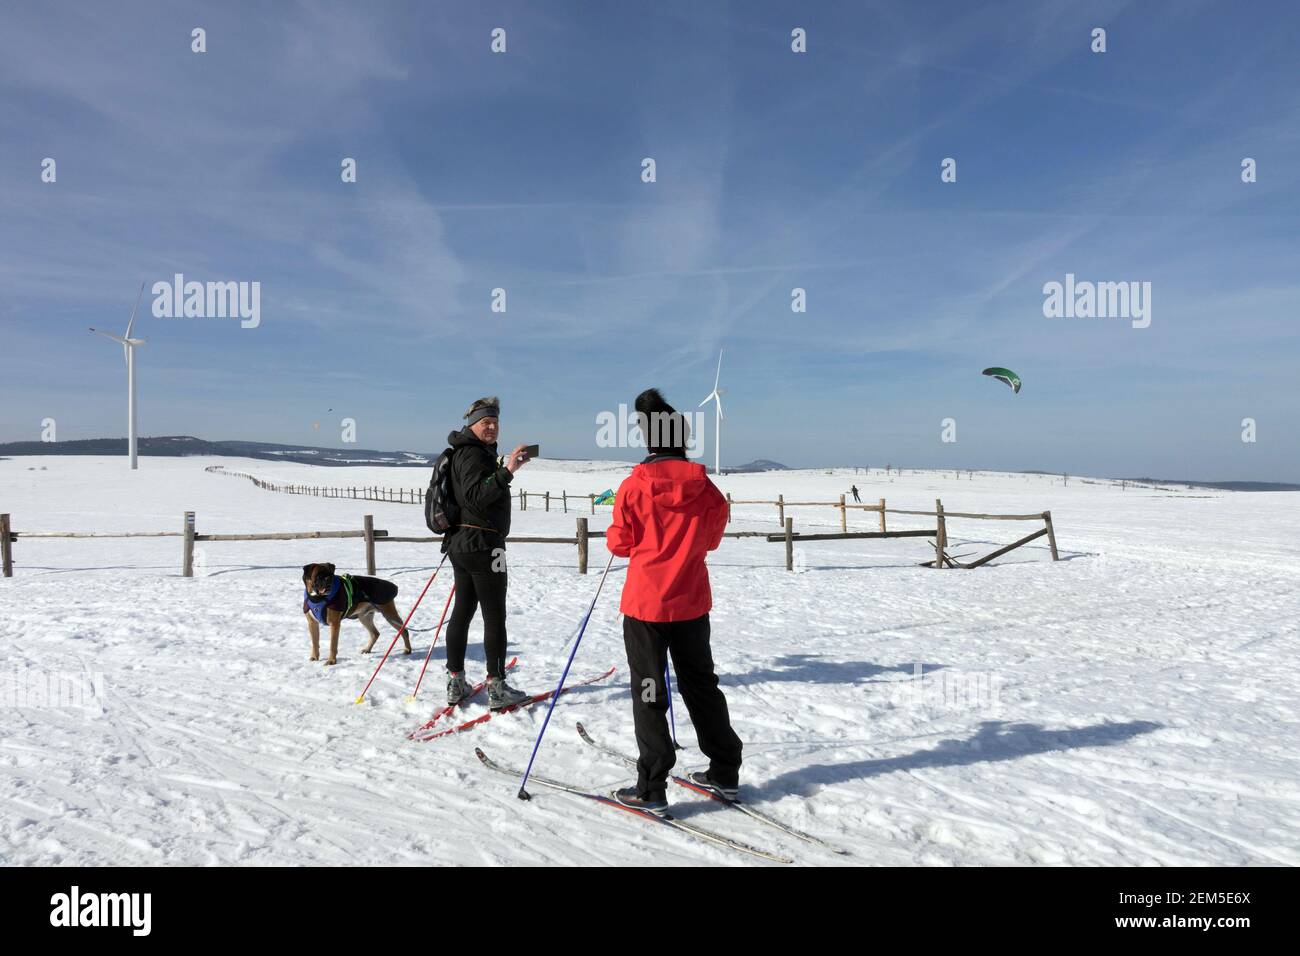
(648, 646)
(477, 585)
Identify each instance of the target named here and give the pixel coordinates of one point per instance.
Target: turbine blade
(109, 335)
(718, 378)
(131, 324)
(719, 408)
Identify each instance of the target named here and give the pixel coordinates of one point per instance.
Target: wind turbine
(715, 396)
(128, 350)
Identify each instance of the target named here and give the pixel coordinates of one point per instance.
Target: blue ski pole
(523, 794)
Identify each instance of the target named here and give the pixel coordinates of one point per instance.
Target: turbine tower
(128, 350)
(715, 396)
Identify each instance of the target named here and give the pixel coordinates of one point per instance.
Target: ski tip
(581, 729)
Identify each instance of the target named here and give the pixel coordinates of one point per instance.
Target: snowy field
(1136, 703)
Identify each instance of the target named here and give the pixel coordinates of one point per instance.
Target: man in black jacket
(480, 482)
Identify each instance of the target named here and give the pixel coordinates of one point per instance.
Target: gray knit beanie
(488, 407)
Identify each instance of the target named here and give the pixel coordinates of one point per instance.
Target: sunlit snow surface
(1134, 703)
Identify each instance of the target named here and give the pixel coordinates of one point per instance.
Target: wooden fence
(580, 540)
(415, 496)
(369, 534)
(842, 506)
(940, 534)
(400, 496)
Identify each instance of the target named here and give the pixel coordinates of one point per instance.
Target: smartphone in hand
(531, 452)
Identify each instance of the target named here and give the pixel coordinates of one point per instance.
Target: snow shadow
(996, 740)
(810, 668)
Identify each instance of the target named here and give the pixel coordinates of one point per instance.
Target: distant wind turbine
(715, 396)
(128, 350)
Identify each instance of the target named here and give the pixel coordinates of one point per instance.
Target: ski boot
(702, 780)
(458, 688)
(501, 695)
(655, 802)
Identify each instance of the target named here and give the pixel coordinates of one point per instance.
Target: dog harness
(318, 606)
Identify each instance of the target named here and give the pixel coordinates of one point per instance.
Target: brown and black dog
(329, 598)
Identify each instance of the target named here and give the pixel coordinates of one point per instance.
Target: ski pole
(400, 630)
(523, 794)
(672, 721)
(434, 642)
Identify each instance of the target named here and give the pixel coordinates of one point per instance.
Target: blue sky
(775, 170)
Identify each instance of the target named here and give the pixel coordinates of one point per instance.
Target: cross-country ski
(444, 711)
(630, 762)
(607, 800)
(422, 735)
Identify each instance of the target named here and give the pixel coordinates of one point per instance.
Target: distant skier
(480, 482)
(667, 516)
(854, 489)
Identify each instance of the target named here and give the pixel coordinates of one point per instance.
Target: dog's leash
(401, 630)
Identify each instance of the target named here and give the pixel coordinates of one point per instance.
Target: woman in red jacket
(667, 516)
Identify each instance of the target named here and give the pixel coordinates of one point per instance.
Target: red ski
(484, 718)
(439, 714)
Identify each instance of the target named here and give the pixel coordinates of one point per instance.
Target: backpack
(441, 512)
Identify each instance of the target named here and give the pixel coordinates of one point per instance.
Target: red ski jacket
(667, 516)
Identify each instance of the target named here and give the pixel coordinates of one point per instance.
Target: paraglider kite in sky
(1005, 375)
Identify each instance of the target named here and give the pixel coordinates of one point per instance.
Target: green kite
(1005, 375)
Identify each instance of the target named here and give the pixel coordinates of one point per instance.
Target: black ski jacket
(481, 485)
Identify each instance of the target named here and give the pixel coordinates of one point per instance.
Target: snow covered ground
(1135, 703)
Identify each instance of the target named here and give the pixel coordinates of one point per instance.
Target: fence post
(728, 507)
(6, 547)
(844, 516)
(565, 499)
(789, 544)
(523, 500)
(1051, 534)
(940, 534)
(593, 503)
(882, 514)
(582, 545)
(548, 502)
(187, 546)
(369, 526)
(780, 510)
